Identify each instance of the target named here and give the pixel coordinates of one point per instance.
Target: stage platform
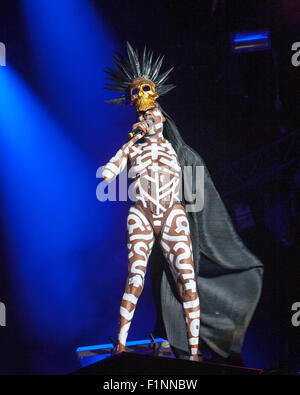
(146, 357)
(141, 364)
(155, 346)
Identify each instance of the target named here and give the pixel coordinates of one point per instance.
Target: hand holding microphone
(141, 127)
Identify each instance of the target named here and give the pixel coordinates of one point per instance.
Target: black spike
(149, 64)
(155, 68)
(118, 81)
(163, 77)
(113, 87)
(118, 102)
(165, 89)
(122, 65)
(134, 61)
(144, 61)
(126, 70)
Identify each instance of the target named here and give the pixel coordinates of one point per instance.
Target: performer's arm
(117, 163)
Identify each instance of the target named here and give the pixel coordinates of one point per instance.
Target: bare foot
(120, 349)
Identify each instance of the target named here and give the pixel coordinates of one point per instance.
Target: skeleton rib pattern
(156, 173)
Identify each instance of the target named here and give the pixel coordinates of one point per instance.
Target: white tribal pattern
(155, 170)
(156, 173)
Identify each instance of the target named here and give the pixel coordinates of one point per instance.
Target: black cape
(229, 276)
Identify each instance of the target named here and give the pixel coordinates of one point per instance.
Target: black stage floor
(128, 363)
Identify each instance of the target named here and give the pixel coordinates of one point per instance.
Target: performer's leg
(176, 245)
(140, 240)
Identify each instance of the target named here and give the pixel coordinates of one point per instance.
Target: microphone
(136, 131)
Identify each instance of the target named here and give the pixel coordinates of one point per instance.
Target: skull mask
(143, 95)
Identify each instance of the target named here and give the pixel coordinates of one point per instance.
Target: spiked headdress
(134, 68)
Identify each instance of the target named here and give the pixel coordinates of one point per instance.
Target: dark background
(227, 108)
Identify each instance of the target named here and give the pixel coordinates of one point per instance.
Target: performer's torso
(155, 170)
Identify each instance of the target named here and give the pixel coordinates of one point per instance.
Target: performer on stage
(202, 256)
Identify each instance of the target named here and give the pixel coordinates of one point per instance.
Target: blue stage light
(250, 41)
(71, 46)
(65, 248)
(109, 345)
(249, 37)
(50, 214)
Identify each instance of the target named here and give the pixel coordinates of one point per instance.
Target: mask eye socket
(134, 91)
(146, 88)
